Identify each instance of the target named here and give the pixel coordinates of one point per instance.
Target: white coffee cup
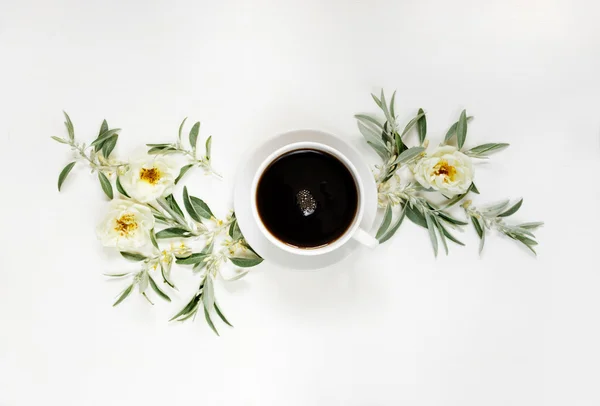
(354, 231)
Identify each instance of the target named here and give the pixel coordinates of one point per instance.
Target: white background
(389, 327)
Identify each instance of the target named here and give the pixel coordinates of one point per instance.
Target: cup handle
(365, 238)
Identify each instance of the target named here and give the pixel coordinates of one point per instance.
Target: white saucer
(242, 200)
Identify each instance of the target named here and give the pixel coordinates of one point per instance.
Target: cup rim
(341, 240)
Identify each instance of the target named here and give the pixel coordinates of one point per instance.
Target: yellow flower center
(152, 175)
(126, 224)
(445, 169)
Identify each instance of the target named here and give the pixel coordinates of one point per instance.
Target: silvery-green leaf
(221, 315)
(381, 151)
(69, 125)
(409, 155)
(440, 231)
(117, 275)
(105, 183)
(422, 127)
(494, 209)
(364, 118)
(478, 227)
(132, 256)
(194, 134)
(109, 145)
(387, 220)
(201, 208)
(143, 281)
(192, 259)
(208, 248)
(393, 229)
(174, 205)
(411, 124)
(153, 239)
(448, 235)
(183, 171)
(180, 130)
(370, 134)
(157, 290)
(432, 236)
(393, 105)
(451, 202)
(532, 225)
(234, 231)
(482, 241)
(209, 321)
(452, 131)
(398, 144)
(415, 215)
(173, 232)
(512, 210)
(147, 298)
(64, 173)
(165, 271)
(245, 262)
(103, 137)
(208, 147)
(485, 150)
(446, 217)
(120, 187)
(236, 277)
(208, 294)
(377, 101)
(160, 145)
(384, 108)
(188, 206)
(461, 129)
(58, 139)
(162, 150)
(123, 295)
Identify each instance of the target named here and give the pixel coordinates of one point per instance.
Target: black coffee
(307, 198)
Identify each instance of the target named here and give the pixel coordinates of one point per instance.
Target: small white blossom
(126, 226)
(149, 179)
(446, 170)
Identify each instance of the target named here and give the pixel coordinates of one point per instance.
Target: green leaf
(120, 187)
(368, 119)
(172, 232)
(377, 101)
(188, 206)
(387, 220)
(220, 314)
(446, 217)
(117, 275)
(371, 134)
(194, 134)
(494, 209)
(174, 205)
(181, 129)
(161, 150)
(422, 127)
(153, 239)
(183, 171)
(448, 235)
(461, 129)
(393, 229)
(485, 150)
(234, 231)
(415, 216)
(58, 139)
(103, 128)
(208, 147)
(132, 256)
(512, 210)
(64, 173)
(208, 248)
(187, 308)
(69, 125)
(123, 295)
(109, 145)
(474, 188)
(440, 233)
(209, 321)
(451, 202)
(156, 289)
(106, 186)
(245, 262)
(103, 137)
(201, 208)
(409, 155)
(208, 294)
(165, 275)
(477, 225)
(452, 131)
(411, 124)
(531, 226)
(432, 236)
(192, 259)
(482, 241)
(392, 105)
(147, 298)
(384, 108)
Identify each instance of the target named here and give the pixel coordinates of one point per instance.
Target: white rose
(126, 226)
(149, 179)
(446, 169)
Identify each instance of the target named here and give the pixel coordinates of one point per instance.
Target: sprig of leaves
(493, 216)
(196, 159)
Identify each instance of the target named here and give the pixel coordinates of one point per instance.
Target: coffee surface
(307, 198)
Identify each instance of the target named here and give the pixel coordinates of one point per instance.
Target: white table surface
(389, 327)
